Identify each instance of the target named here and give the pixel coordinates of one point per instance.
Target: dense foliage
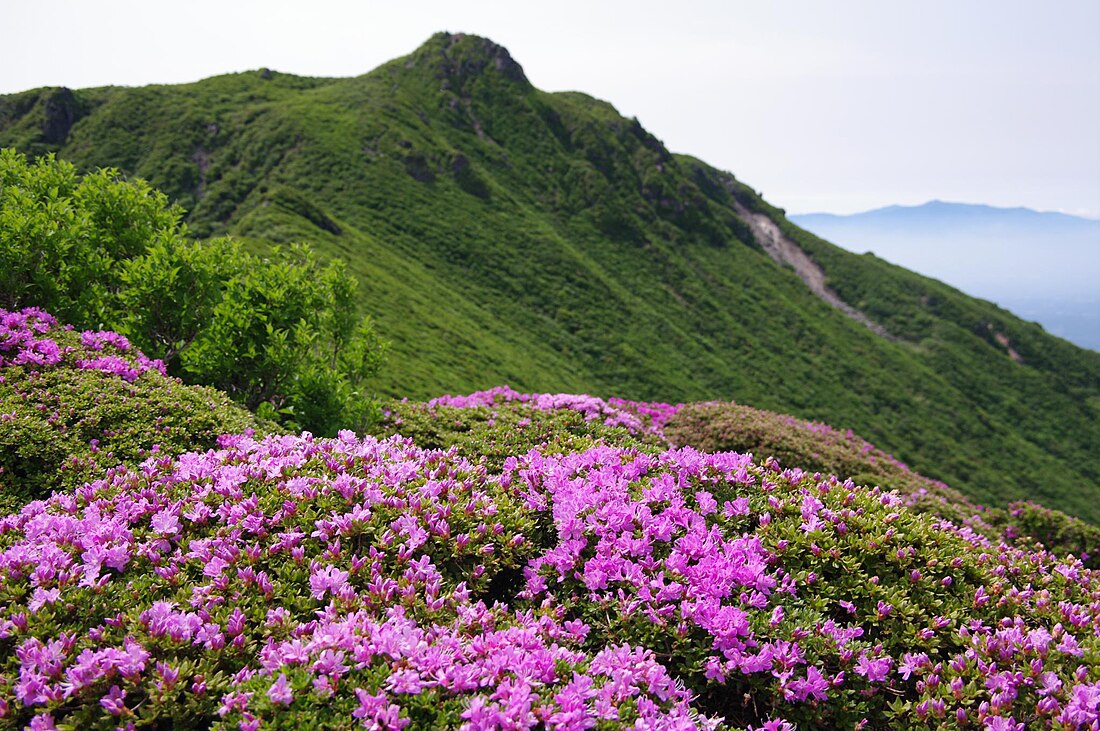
(73, 404)
(814, 446)
(279, 334)
(505, 235)
(304, 582)
(537, 561)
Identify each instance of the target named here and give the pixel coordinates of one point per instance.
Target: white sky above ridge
(839, 106)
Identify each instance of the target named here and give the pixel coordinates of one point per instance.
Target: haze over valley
(1042, 266)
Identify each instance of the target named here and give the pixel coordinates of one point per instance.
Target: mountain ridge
(504, 234)
(937, 204)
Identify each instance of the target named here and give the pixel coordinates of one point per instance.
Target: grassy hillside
(503, 234)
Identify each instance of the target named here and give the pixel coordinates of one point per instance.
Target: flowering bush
(779, 593)
(374, 581)
(72, 404)
(22, 343)
(512, 562)
(340, 579)
(637, 418)
(1059, 532)
(716, 426)
(492, 426)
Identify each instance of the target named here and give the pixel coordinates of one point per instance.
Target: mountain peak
(459, 56)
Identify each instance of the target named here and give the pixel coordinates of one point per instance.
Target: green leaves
(283, 333)
(280, 332)
(169, 293)
(63, 236)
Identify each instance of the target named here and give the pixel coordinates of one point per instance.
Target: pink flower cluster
(23, 343)
(314, 570)
(645, 539)
(635, 417)
(657, 551)
(656, 413)
(20, 341)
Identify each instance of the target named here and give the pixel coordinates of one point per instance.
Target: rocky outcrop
(786, 252)
(62, 110)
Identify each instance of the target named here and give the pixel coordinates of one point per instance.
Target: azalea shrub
(341, 581)
(320, 583)
(73, 404)
(727, 426)
(779, 593)
(493, 425)
(638, 419)
(1060, 533)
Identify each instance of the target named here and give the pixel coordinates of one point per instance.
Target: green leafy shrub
(278, 333)
(283, 338)
(63, 236)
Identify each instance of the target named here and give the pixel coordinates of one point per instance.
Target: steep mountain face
(503, 234)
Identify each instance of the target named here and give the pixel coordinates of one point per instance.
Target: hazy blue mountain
(1043, 266)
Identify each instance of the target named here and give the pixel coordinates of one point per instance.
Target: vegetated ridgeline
(504, 234)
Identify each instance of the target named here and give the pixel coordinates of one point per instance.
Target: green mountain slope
(503, 234)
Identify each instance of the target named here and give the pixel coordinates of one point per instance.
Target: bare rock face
(506, 64)
(62, 111)
(465, 56)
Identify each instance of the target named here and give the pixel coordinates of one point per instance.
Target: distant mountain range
(1043, 266)
(502, 234)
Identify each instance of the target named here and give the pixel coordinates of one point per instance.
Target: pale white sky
(834, 106)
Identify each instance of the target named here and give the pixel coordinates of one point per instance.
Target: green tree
(280, 334)
(284, 339)
(63, 235)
